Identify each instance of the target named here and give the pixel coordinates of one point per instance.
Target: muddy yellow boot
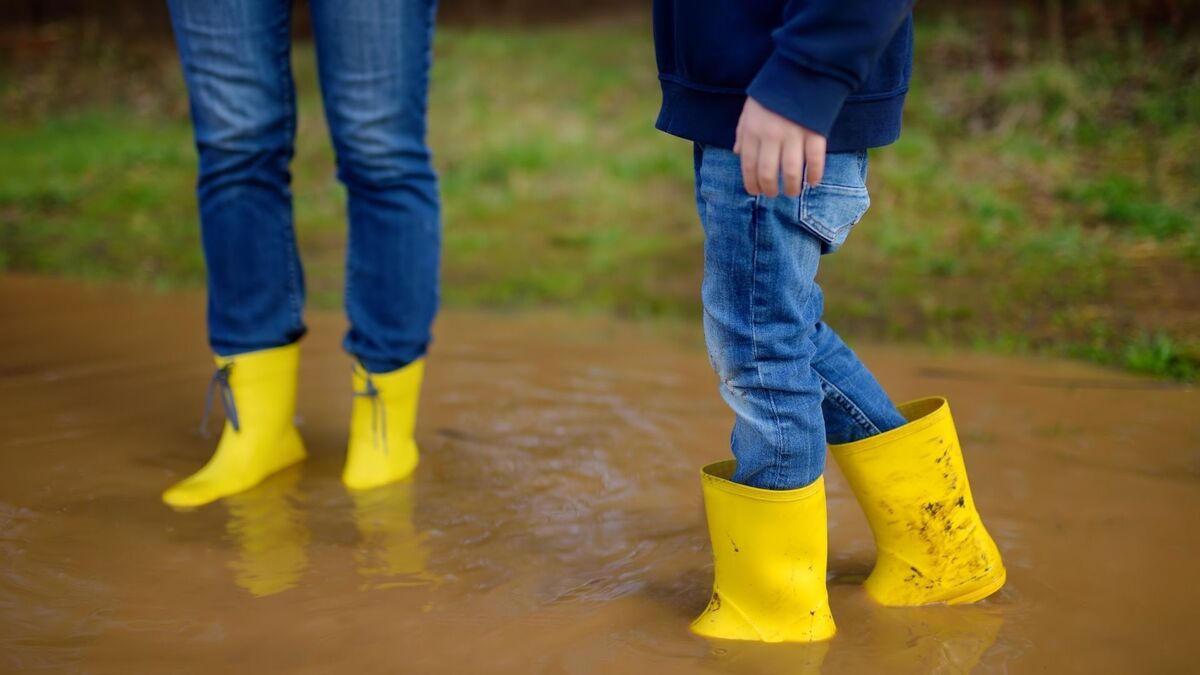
(258, 390)
(769, 552)
(912, 484)
(382, 449)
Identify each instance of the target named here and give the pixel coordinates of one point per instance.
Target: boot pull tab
(220, 380)
(378, 412)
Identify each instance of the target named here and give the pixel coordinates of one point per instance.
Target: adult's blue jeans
(792, 383)
(373, 61)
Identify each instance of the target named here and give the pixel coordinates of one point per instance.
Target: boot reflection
(761, 658)
(391, 551)
(934, 639)
(270, 534)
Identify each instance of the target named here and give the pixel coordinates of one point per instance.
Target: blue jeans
(373, 61)
(792, 383)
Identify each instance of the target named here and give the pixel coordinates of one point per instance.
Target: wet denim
(373, 59)
(792, 383)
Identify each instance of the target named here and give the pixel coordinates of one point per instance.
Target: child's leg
(788, 377)
(762, 309)
(761, 302)
(855, 405)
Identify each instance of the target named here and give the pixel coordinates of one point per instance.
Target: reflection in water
(268, 527)
(270, 534)
(760, 658)
(937, 639)
(391, 552)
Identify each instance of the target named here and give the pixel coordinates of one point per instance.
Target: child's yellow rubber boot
(769, 553)
(382, 449)
(930, 541)
(258, 391)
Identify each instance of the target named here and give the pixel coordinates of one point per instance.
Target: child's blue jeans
(373, 60)
(792, 383)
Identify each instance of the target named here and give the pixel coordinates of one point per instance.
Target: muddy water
(555, 523)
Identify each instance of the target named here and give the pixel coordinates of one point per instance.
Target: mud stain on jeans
(554, 524)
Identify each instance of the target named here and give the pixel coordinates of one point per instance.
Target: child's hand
(767, 141)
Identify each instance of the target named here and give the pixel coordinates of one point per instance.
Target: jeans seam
(848, 406)
(288, 87)
(777, 459)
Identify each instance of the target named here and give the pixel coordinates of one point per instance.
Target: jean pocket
(830, 209)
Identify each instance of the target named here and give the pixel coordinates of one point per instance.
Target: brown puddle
(554, 524)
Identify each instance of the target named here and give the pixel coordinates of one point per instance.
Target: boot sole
(968, 596)
(981, 592)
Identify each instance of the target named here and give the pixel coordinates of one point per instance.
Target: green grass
(1033, 204)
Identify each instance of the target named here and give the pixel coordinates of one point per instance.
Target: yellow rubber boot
(259, 437)
(382, 449)
(769, 553)
(912, 484)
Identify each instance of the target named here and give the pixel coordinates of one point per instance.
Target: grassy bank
(1036, 202)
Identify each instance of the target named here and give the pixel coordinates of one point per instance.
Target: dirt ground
(555, 523)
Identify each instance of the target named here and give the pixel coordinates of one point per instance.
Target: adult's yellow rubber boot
(258, 390)
(931, 544)
(382, 449)
(769, 553)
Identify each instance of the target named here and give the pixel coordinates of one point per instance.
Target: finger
(768, 168)
(793, 167)
(814, 158)
(750, 165)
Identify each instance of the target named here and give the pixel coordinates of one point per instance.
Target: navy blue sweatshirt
(837, 67)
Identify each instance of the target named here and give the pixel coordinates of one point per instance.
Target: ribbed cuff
(800, 94)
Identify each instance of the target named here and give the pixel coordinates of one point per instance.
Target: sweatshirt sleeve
(824, 50)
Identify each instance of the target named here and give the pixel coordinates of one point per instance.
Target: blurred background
(1043, 197)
